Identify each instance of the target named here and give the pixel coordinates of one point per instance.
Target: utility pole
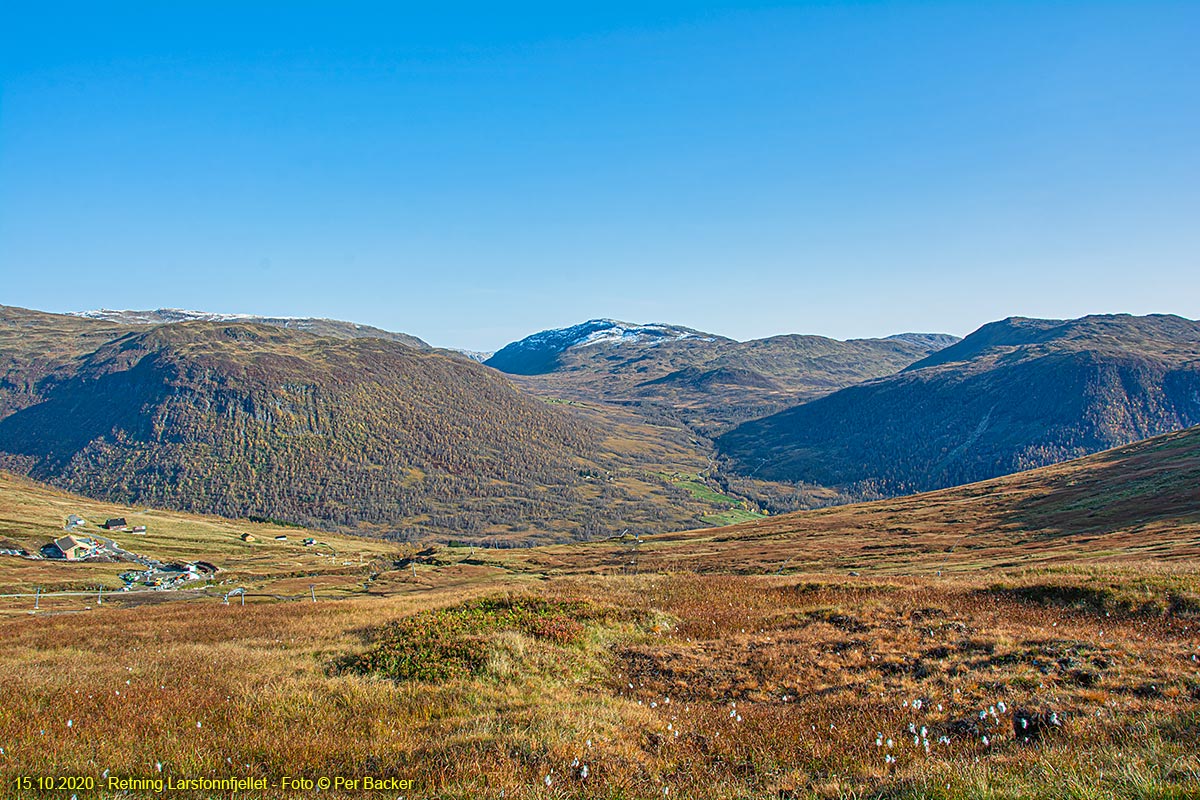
(37, 598)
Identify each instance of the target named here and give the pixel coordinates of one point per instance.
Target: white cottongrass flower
(583, 771)
(1001, 707)
(70, 723)
(547, 780)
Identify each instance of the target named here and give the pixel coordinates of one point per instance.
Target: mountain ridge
(320, 326)
(1014, 395)
(709, 382)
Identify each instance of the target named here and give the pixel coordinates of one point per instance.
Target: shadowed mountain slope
(1014, 395)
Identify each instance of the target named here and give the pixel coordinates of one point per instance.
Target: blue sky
(476, 173)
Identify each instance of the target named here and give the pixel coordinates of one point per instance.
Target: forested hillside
(366, 434)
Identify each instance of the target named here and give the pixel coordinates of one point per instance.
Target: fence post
(313, 591)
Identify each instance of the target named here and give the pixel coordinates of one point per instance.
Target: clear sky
(475, 173)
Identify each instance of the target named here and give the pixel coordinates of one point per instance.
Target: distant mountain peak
(539, 353)
(606, 331)
(934, 341)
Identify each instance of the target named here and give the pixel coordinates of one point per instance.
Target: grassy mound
(462, 641)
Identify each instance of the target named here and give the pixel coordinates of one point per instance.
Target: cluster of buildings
(74, 547)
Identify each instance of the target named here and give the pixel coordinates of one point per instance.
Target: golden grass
(777, 686)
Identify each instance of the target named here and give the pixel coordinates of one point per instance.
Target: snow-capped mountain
(540, 352)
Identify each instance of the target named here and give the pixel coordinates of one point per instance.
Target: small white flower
(158, 765)
(583, 772)
(547, 780)
(70, 723)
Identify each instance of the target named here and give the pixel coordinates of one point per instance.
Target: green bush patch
(454, 642)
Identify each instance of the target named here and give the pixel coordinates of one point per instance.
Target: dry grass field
(745, 662)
